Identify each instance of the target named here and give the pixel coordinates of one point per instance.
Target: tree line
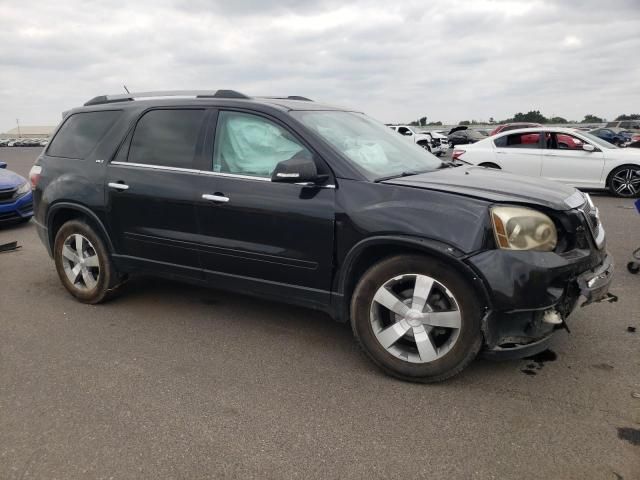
(533, 116)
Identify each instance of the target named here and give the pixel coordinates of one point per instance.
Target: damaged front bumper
(594, 284)
(533, 293)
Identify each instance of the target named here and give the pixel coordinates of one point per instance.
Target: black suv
(318, 206)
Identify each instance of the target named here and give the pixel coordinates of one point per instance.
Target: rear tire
(624, 181)
(406, 345)
(83, 263)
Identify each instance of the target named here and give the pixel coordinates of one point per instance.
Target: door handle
(501, 153)
(118, 186)
(215, 198)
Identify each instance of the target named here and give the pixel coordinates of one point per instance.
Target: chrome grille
(7, 194)
(591, 213)
(592, 218)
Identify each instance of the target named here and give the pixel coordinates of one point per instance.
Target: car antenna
(126, 89)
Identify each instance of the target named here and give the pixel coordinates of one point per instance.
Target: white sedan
(562, 154)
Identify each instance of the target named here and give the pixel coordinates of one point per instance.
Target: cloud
(571, 41)
(447, 59)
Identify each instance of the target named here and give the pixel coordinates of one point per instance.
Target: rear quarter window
(81, 132)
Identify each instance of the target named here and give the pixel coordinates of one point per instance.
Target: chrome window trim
(202, 172)
(156, 167)
(236, 175)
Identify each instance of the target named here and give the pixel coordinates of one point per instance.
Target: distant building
(29, 131)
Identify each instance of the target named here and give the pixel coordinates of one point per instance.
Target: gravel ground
(174, 381)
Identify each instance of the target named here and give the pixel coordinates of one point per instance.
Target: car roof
(221, 98)
(569, 131)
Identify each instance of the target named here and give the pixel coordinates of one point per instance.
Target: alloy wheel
(415, 318)
(626, 182)
(80, 261)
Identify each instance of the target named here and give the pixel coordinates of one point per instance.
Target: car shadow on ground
(300, 327)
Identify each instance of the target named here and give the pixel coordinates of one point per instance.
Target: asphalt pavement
(175, 381)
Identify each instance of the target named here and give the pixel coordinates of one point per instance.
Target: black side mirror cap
(295, 170)
(3, 165)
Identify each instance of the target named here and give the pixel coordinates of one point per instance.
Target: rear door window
(519, 140)
(81, 132)
(167, 138)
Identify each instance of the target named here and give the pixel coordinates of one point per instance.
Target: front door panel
(269, 236)
(269, 231)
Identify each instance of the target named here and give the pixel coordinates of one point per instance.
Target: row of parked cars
(24, 142)
(434, 142)
(584, 158)
(619, 133)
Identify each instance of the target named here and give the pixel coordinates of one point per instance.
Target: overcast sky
(450, 60)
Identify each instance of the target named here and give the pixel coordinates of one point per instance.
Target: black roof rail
(127, 97)
(298, 97)
(291, 97)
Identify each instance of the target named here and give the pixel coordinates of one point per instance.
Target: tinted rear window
(518, 140)
(80, 133)
(167, 138)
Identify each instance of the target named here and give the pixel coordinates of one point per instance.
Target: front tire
(624, 181)
(83, 263)
(417, 318)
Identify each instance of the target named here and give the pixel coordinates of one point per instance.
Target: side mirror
(407, 133)
(295, 170)
(3, 165)
(587, 147)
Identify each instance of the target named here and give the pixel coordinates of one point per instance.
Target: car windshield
(475, 134)
(377, 151)
(597, 140)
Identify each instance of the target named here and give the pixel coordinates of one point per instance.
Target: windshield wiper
(407, 173)
(450, 164)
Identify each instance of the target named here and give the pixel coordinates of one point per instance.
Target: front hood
(9, 179)
(494, 185)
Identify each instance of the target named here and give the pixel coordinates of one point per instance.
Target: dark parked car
(463, 136)
(305, 203)
(613, 136)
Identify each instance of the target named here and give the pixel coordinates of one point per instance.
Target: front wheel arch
(373, 250)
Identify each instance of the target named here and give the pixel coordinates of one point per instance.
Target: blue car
(616, 138)
(16, 199)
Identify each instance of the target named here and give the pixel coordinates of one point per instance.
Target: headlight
(24, 188)
(518, 228)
